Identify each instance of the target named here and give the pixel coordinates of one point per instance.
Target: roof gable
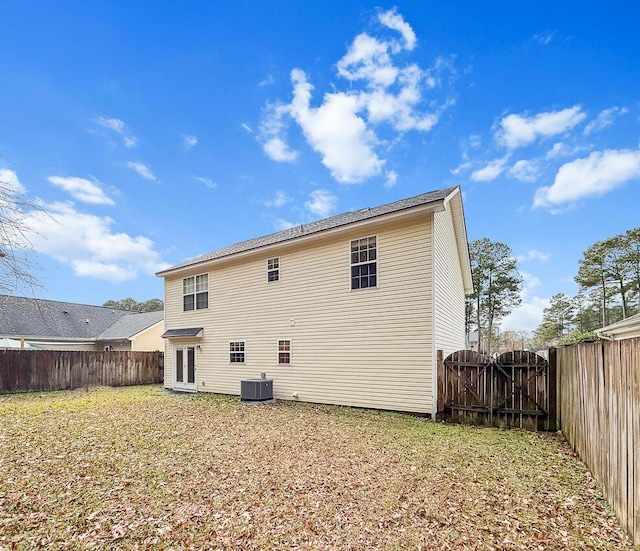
(128, 326)
(316, 227)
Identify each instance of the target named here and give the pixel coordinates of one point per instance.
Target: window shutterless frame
(273, 269)
(237, 352)
(364, 262)
(284, 351)
(195, 292)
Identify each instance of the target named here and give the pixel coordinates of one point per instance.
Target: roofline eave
(435, 206)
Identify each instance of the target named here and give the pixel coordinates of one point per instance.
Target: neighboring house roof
(31, 317)
(630, 325)
(334, 222)
(53, 320)
(128, 326)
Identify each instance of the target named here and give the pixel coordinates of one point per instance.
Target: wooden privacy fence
(516, 389)
(599, 413)
(40, 370)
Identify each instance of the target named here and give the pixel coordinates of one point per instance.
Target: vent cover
(256, 390)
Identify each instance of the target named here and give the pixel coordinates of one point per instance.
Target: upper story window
(273, 269)
(195, 292)
(364, 265)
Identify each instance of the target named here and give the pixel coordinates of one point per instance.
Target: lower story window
(284, 351)
(236, 352)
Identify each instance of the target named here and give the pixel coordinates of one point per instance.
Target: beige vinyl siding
(150, 339)
(449, 287)
(367, 347)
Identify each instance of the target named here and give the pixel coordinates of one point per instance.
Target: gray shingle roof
(38, 318)
(317, 226)
(186, 332)
(128, 326)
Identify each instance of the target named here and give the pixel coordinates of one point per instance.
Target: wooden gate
(516, 389)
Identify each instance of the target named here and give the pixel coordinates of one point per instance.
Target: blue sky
(153, 132)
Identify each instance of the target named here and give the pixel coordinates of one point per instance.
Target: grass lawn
(140, 468)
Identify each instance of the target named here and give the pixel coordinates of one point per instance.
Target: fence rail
(41, 370)
(599, 412)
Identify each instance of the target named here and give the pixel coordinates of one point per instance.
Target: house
(57, 325)
(626, 329)
(347, 310)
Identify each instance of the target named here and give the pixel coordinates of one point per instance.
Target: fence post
(440, 386)
(552, 393)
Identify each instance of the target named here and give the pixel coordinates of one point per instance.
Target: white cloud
(322, 203)
(368, 59)
(188, 142)
(246, 127)
(279, 200)
(341, 129)
(10, 183)
(271, 134)
(119, 127)
(130, 141)
(206, 181)
(533, 255)
(100, 270)
(519, 130)
(89, 244)
(489, 172)
(82, 189)
(282, 224)
(461, 168)
(560, 149)
(112, 124)
(605, 118)
(526, 317)
(142, 169)
(525, 171)
(278, 150)
(336, 132)
(395, 21)
(545, 37)
(597, 174)
(391, 178)
(266, 81)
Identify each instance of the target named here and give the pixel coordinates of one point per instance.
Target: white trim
(434, 351)
(435, 206)
(273, 269)
(243, 351)
(195, 291)
(185, 386)
(288, 339)
(377, 262)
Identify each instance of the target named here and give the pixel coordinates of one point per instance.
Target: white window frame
(289, 351)
(273, 267)
(196, 288)
(243, 352)
(359, 263)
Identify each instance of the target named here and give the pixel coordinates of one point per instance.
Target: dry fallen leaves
(141, 468)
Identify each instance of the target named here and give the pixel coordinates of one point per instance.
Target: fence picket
(598, 411)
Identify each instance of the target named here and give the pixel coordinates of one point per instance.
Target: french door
(185, 367)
